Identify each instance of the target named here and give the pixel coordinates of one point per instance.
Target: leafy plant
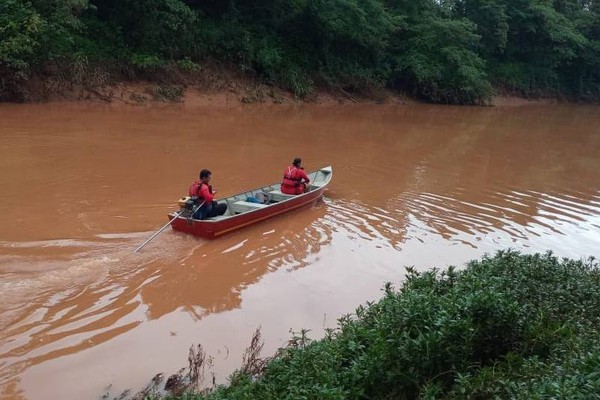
(188, 65)
(147, 61)
(168, 93)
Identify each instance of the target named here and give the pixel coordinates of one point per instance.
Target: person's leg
(221, 208)
(217, 209)
(206, 211)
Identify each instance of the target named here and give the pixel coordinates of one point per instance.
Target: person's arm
(304, 176)
(206, 194)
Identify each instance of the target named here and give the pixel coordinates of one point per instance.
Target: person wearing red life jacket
(205, 193)
(294, 178)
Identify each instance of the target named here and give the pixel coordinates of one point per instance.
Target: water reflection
(211, 277)
(519, 217)
(514, 218)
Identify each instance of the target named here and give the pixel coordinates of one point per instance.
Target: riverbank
(224, 90)
(212, 85)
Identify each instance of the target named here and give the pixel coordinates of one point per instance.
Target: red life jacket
(290, 177)
(194, 189)
(292, 181)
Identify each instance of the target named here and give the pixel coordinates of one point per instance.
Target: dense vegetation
(456, 51)
(507, 326)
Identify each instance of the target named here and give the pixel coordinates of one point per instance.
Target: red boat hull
(211, 229)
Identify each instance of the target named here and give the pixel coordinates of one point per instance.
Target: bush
(168, 93)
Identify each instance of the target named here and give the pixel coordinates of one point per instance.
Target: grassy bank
(506, 326)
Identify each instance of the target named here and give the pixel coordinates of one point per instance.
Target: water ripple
(505, 217)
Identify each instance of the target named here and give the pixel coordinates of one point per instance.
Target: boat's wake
(34, 270)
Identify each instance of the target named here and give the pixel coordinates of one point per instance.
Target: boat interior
(265, 196)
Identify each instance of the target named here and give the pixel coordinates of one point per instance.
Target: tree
(166, 28)
(437, 63)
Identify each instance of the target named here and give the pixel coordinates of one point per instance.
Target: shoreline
(231, 93)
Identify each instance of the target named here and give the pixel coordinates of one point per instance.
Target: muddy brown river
(413, 185)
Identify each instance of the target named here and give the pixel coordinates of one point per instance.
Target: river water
(413, 185)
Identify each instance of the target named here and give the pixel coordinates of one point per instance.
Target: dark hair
(205, 173)
(297, 161)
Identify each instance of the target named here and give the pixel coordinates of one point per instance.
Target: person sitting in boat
(294, 178)
(205, 193)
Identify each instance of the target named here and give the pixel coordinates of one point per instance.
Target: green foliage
(447, 51)
(349, 40)
(166, 28)
(188, 65)
(365, 23)
(297, 81)
(530, 45)
(147, 61)
(226, 40)
(507, 326)
(21, 29)
(168, 93)
(32, 33)
(438, 64)
(63, 27)
(524, 80)
(103, 42)
(492, 23)
(294, 44)
(582, 75)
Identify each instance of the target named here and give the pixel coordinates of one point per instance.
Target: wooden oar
(165, 226)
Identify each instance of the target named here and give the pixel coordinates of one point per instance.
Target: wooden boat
(241, 212)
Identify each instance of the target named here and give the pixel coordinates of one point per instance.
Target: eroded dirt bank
(214, 87)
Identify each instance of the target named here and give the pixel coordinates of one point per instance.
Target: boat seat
(276, 195)
(244, 206)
